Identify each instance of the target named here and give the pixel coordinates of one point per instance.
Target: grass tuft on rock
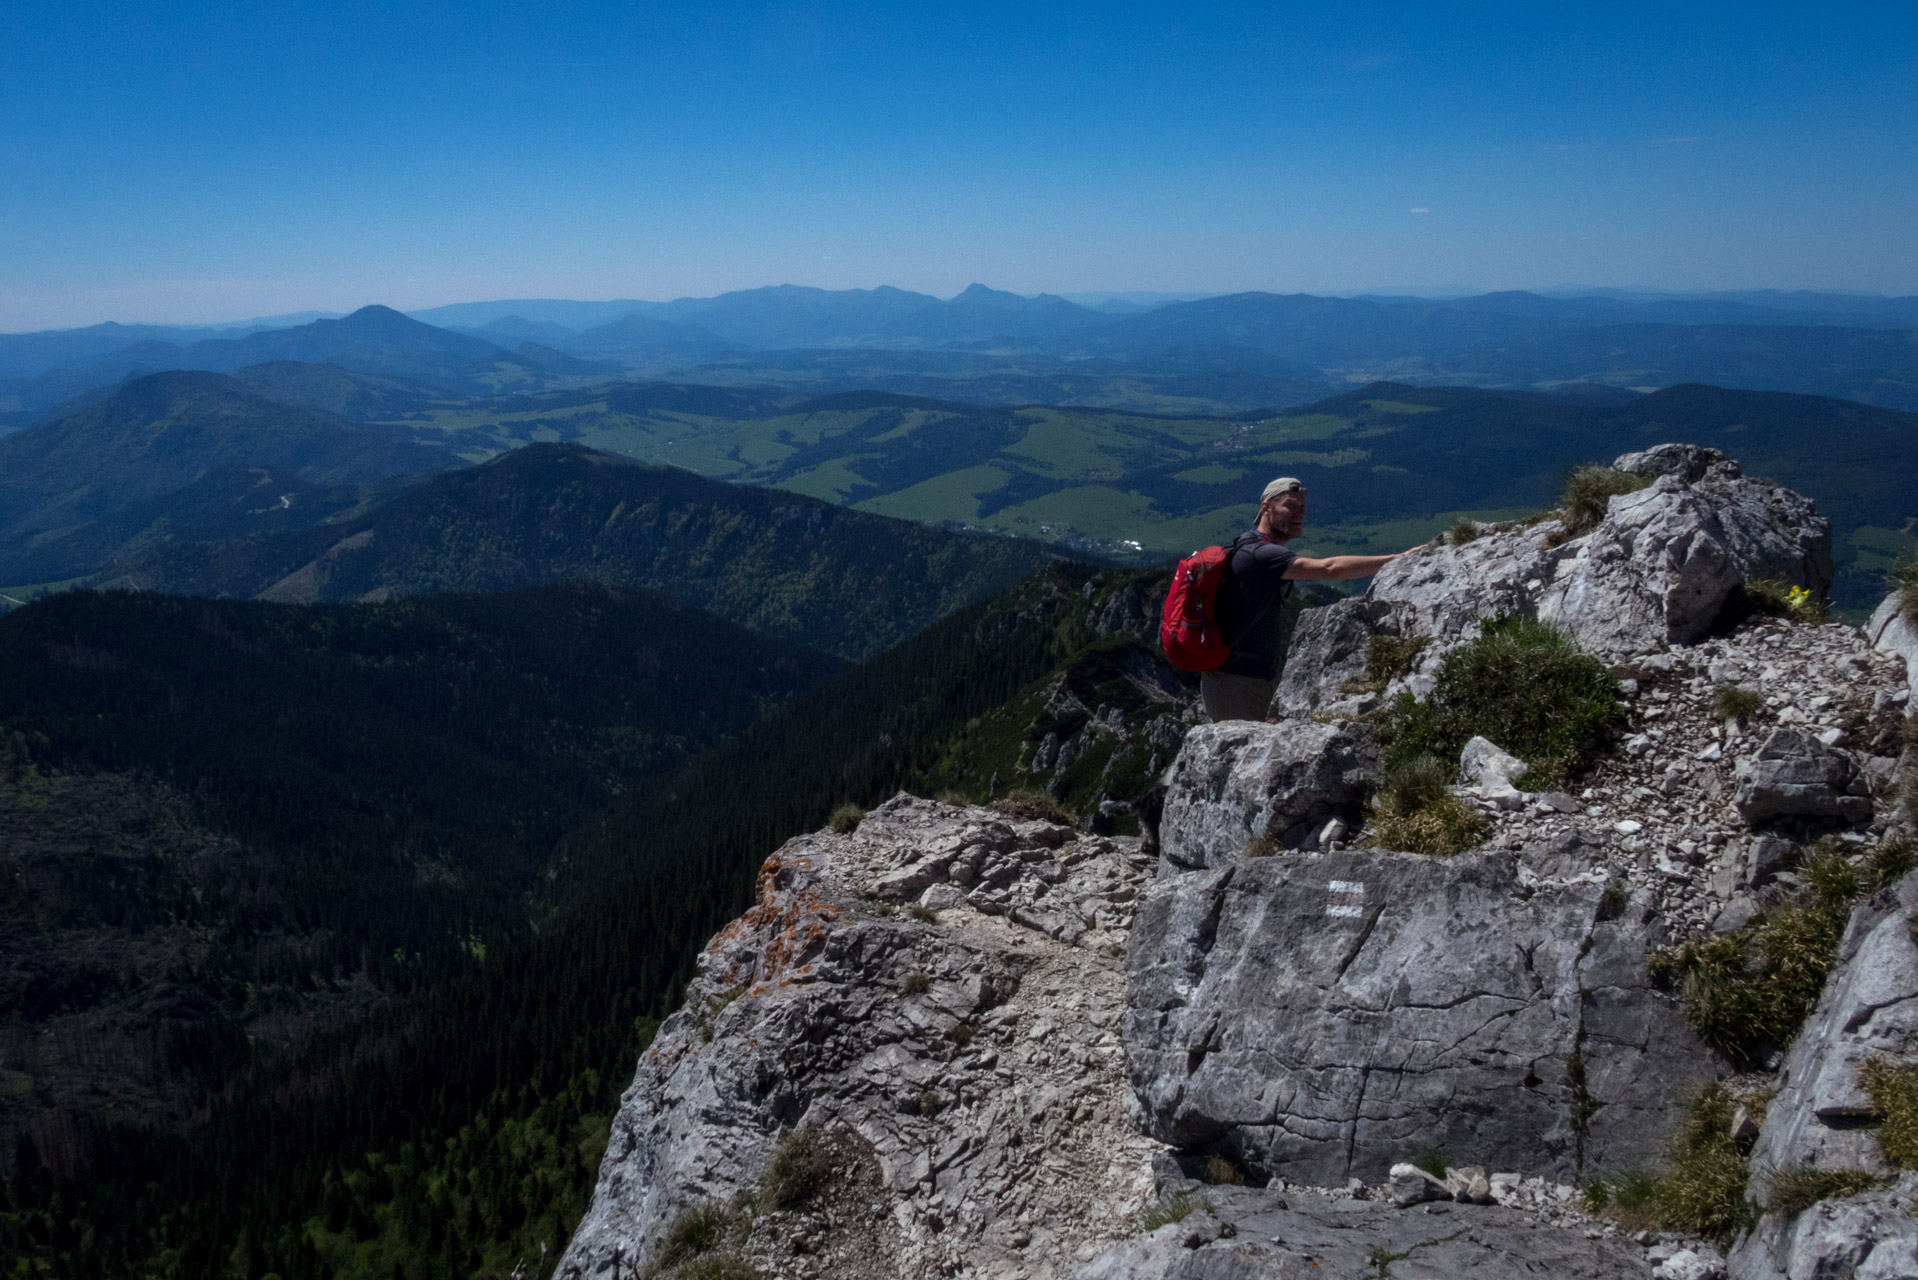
(696, 1231)
(1522, 684)
(1729, 702)
(915, 983)
(1905, 582)
(1589, 492)
(1792, 1191)
(1173, 1208)
(1034, 806)
(1416, 812)
(1223, 1171)
(1754, 987)
(846, 818)
(1700, 1188)
(1891, 862)
(1464, 531)
(1386, 659)
(1893, 1090)
(1263, 845)
(718, 1266)
(798, 1169)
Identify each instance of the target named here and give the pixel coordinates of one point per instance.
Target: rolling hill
(181, 454)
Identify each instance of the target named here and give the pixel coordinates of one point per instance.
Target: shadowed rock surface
(1320, 1017)
(1283, 1236)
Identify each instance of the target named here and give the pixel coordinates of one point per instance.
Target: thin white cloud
(1421, 211)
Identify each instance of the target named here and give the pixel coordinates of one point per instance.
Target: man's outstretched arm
(1336, 568)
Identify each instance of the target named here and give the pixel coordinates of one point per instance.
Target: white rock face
(824, 1005)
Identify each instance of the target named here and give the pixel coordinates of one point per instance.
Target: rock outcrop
(939, 989)
(1656, 571)
(1239, 780)
(1822, 1117)
(1320, 1017)
(941, 994)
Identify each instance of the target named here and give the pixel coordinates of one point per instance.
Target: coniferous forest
(449, 1122)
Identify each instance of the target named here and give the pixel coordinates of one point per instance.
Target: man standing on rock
(1250, 600)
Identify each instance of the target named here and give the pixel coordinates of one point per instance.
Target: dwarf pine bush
(1524, 685)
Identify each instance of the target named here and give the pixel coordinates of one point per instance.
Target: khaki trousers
(1230, 697)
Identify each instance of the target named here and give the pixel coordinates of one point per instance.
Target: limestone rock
(1280, 1237)
(1819, 1118)
(1237, 780)
(1482, 764)
(1873, 1236)
(1655, 572)
(1410, 1185)
(1793, 775)
(971, 1057)
(1317, 1016)
(1891, 632)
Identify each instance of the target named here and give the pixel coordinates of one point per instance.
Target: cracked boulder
(1321, 1017)
(1793, 774)
(1656, 571)
(1239, 780)
(1823, 1119)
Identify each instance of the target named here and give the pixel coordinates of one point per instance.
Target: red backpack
(1190, 629)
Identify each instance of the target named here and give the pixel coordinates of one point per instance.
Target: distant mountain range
(1223, 353)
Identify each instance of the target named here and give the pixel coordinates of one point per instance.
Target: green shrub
(1464, 531)
(1729, 702)
(961, 1034)
(924, 915)
(1701, 1187)
(799, 1167)
(1415, 810)
(1756, 986)
(1588, 493)
(1174, 1208)
(931, 1104)
(915, 983)
(1263, 845)
(1523, 685)
(1792, 1191)
(1893, 1090)
(1030, 805)
(1430, 1159)
(846, 818)
(1776, 598)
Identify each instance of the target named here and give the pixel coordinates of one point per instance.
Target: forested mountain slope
(226, 824)
(459, 1129)
(181, 453)
(782, 564)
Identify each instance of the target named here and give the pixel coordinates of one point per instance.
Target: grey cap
(1284, 484)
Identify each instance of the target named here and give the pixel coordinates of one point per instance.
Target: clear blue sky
(196, 161)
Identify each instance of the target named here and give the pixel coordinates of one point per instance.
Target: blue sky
(198, 162)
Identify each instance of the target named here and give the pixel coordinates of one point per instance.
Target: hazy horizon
(199, 163)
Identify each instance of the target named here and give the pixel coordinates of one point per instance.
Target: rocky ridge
(1302, 1011)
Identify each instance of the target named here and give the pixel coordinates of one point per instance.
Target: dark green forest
(456, 1128)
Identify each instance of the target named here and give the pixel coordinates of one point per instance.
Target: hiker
(1258, 565)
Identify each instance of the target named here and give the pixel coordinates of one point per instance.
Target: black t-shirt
(1250, 616)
